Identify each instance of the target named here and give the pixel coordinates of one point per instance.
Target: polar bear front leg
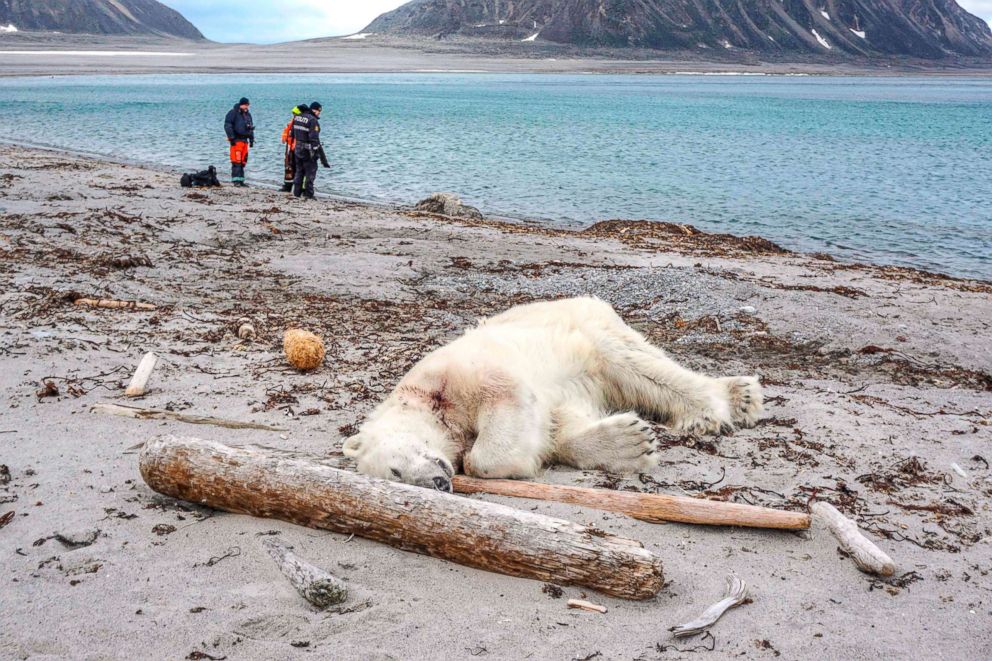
(512, 440)
(621, 443)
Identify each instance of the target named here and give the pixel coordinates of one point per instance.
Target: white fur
(555, 382)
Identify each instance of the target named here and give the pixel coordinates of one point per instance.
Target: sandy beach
(878, 385)
(45, 54)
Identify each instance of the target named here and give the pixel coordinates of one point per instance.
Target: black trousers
(306, 173)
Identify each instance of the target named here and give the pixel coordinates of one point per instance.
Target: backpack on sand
(203, 179)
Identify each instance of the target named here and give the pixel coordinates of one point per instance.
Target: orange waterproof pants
(239, 153)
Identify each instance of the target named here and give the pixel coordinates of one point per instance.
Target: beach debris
(4, 474)
(246, 330)
(552, 590)
(128, 262)
(48, 389)
(581, 604)
(304, 350)
(319, 587)
(650, 507)
(139, 382)
(115, 305)
(960, 471)
(734, 595)
(6, 518)
(197, 655)
(264, 482)
(159, 414)
(448, 204)
(163, 529)
(655, 235)
(77, 539)
(868, 557)
(231, 552)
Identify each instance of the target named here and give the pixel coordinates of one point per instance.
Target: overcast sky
(268, 21)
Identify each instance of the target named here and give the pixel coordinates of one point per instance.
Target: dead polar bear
(560, 382)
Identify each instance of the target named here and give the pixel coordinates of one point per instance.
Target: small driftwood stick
(868, 557)
(475, 533)
(139, 382)
(586, 606)
(159, 414)
(115, 305)
(314, 584)
(650, 507)
(734, 595)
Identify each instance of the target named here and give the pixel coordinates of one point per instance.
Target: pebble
(749, 309)
(656, 292)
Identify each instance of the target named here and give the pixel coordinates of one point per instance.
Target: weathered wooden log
(315, 585)
(139, 382)
(470, 532)
(115, 305)
(650, 507)
(868, 557)
(159, 414)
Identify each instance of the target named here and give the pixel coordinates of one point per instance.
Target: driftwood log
(582, 604)
(470, 532)
(868, 557)
(315, 585)
(654, 508)
(139, 382)
(734, 595)
(115, 305)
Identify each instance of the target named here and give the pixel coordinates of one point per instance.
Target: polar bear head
(402, 448)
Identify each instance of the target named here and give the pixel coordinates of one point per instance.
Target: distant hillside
(930, 29)
(97, 17)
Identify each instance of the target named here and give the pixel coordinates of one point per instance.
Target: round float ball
(304, 350)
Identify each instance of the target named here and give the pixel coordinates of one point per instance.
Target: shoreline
(877, 392)
(539, 225)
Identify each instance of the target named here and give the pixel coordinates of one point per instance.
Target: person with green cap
(289, 159)
(240, 129)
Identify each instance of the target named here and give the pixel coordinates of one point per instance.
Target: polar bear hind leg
(620, 443)
(644, 378)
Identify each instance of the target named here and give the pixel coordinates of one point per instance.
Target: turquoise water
(888, 170)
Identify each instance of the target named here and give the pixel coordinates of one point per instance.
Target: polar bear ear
(353, 446)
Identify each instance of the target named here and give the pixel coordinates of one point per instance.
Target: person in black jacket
(308, 150)
(240, 129)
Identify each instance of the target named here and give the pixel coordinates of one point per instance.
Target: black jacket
(239, 126)
(306, 132)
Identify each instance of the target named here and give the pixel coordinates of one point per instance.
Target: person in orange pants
(240, 130)
(290, 157)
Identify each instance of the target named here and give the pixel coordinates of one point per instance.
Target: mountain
(117, 17)
(930, 29)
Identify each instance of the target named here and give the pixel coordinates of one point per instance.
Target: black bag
(203, 179)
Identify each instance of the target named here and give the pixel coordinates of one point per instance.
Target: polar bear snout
(442, 484)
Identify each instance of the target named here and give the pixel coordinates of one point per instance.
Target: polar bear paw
(733, 402)
(630, 444)
(745, 398)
